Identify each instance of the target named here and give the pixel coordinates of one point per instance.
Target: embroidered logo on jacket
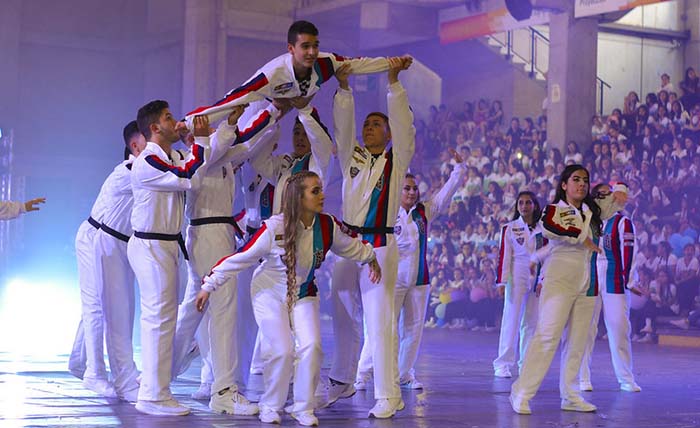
(520, 240)
(397, 230)
(354, 171)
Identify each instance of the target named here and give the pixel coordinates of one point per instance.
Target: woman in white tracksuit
(571, 223)
(413, 281)
(292, 245)
(520, 238)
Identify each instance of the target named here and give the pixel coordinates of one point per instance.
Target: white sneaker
(386, 408)
(336, 392)
(363, 384)
(411, 384)
(502, 372)
(306, 418)
(232, 403)
(519, 406)
(647, 338)
(203, 393)
(189, 357)
(102, 387)
(579, 405)
(681, 323)
(269, 416)
(630, 387)
(585, 386)
(162, 408)
(131, 396)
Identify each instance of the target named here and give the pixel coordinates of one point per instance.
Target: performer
(292, 245)
(160, 177)
(210, 236)
(300, 72)
(87, 357)
(114, 279)
(519, 240)
(372, 179)
(617, 275)
(413, 279)
(570, 223)
(11, 209)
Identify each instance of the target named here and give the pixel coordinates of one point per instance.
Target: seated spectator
(598, 128)
(686, 278)
(573, 154)
(666, 84)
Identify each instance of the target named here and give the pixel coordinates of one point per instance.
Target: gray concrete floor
(455, 366)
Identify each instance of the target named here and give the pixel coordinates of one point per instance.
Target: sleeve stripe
(317, 118)
(253, 85)
(549, 224)
(501, 255)
(344, 228)
(628, 251)
(183, 172)
(245, 248)
(258, 124)
(324, 68)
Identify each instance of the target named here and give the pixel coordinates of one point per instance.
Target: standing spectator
(690, 88)
(666, 84)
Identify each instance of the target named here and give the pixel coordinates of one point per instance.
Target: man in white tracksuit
(372, 179)
(299, 72)
(413, 279)
(616, 275)
(160, 177)
(520, 238)
(89, 338)
(210, 236)
(114, 277)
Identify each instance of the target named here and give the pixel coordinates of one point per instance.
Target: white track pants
(117, 284)
(206, 245)
(278, 345)
(155, 264)
(354, 295)
(246, 326)
(91, 300)
(411, 304)
(559, 308)
(519, 321)
(616, 312)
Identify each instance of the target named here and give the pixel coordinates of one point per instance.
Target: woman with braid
(293, 245)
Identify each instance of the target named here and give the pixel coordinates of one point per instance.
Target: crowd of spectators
(651, 146)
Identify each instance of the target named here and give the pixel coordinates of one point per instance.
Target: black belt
(114, 233)
(218, 220)
(165, 237)
(369, 230)
(93, 223)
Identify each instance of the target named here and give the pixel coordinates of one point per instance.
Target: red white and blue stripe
(186, 171)
(322, 239)
(618, 253)
(554, 227)
(379, 204)
(421, 220)
(593, 266)
(255, 84)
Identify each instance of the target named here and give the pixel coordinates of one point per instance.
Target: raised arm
(403, 133)
(440, 200)
(259, 130)
(344, 119)
(320, 140)
(11, 209)
(160, 175)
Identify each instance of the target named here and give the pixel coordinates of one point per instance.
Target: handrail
(534, 33)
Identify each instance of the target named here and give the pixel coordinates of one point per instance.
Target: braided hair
(292, 194)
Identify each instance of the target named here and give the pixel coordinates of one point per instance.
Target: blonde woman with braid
(292, 245)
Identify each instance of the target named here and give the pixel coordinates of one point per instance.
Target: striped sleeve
(628, 249)
(553, 229)
(254, 89)
(228, 267)
(181, 174)
(504, 258)
(349, 246)
(360, 65)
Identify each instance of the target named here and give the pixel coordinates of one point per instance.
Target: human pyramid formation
(134, 230)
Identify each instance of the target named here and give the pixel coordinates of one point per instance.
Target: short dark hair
(148, 115)
(130, 130)
(300, 27)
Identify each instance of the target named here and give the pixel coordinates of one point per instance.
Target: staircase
(528, 49)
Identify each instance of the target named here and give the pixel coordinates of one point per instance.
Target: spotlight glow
(39, 317)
